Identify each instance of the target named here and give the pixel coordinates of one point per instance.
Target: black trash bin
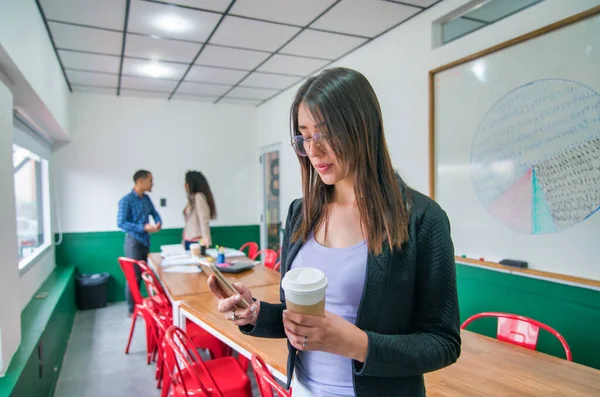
(91, 290)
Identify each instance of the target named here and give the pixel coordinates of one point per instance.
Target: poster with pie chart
(535, 159)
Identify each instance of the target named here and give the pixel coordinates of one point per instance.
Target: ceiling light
(171, 23)
(154, 69)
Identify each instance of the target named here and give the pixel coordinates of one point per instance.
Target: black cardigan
(409, 308)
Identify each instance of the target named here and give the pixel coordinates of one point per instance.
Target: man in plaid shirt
(135, 208)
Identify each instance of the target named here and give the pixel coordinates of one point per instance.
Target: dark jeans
(134, 250)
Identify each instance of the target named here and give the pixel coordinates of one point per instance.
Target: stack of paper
(229, 252)
(184, 269)
(177, 261)
(172, 249)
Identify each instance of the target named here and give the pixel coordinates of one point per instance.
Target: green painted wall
(96, 252)
(45, 329)
(574, 312)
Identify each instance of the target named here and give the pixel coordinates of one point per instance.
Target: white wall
(10, 314)
(34, 277)
(114, 136)
(397, 65)
(33, 67)
(32, 82)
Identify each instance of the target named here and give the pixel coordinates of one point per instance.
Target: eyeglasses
(302, 145)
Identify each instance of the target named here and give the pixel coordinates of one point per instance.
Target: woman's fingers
(242, 316)
(214, 287)
(296, 328)
(295, 339)
(227, 304)
(241, 288)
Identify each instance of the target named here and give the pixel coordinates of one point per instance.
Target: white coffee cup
(195, 249)
(304, 290)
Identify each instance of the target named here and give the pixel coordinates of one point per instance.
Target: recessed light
(172, 23)
(154, 69)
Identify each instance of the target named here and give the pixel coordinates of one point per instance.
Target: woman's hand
(229, 306)
(330, 333)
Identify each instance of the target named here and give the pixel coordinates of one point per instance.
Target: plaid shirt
(134, 213)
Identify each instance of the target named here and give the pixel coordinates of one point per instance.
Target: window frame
(26, 138)
(438, 35)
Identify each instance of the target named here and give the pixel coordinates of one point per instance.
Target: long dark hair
(344, 102)
(197, 183)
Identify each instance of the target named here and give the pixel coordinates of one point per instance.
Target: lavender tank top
(326, 374)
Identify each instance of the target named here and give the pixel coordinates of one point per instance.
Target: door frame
(263, 199)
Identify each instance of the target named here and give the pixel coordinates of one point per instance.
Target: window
(476, 15)
(32, 203)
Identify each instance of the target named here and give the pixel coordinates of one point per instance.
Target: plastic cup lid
(304, 280)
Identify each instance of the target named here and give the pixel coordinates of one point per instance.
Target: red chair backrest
(264, 379)
(151, 324)
(158, 324)
(252, 248)
(182, 357)
(143, 265)
(520, 330)
(159, 287)
(127, 265)
(157, 295)
(270, 257)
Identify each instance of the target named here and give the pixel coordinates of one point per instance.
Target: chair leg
(243, 361)
(155, 354)
(166, 384)
(150, 343)
(159, 370)
(133, 319)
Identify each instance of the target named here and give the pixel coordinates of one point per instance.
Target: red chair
(144, 266)
(519, 330)
(199, 336)
(156, 294)
(277, 266)
(270, 257)
(158, 328)
(252, 249)
(265, 381)
(190, 376)
(127, 265)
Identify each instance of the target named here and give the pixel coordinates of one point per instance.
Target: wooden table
(180, 286)
(202, 310)
(486, 367)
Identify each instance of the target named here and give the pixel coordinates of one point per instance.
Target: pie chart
(535, 159)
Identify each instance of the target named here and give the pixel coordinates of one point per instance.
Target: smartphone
(228, 289)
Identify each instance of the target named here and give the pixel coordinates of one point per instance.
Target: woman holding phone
(391, 303)
(200, 209)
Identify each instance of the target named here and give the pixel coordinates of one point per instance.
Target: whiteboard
(517, 150)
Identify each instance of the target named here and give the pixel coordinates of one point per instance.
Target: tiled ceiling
(221, 51)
